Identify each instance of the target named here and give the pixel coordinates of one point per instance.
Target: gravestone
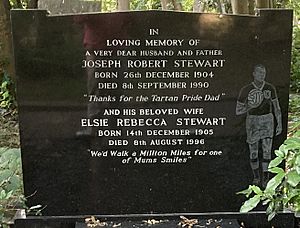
(149, 112)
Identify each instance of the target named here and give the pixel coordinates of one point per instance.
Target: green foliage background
(295, 68)
(11, 187)
(19, 4)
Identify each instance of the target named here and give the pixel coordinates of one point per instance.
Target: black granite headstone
(149, 112)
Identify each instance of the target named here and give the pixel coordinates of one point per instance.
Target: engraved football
(255, 97)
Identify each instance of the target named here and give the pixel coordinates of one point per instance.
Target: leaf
(283, 150)
(297, 134)
(275, 182)
(9, 194)
(292, 139)
(2, 194)
(280, 153)
(271, 216)
(9, 154)
(290, 195)
(275, 162)
(5, 95)
(257, 190)
(292, 146)
(276, 170)
(4, 84)
(265, 202)
(5, 175)
(270, 208)
(293, 178)
(246, 192)
(292, 143)
(250, 204)
(14, 183)
(4, 165)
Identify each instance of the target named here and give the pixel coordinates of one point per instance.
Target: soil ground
(9, 129)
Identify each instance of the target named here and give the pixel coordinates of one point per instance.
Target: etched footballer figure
(259, 101)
